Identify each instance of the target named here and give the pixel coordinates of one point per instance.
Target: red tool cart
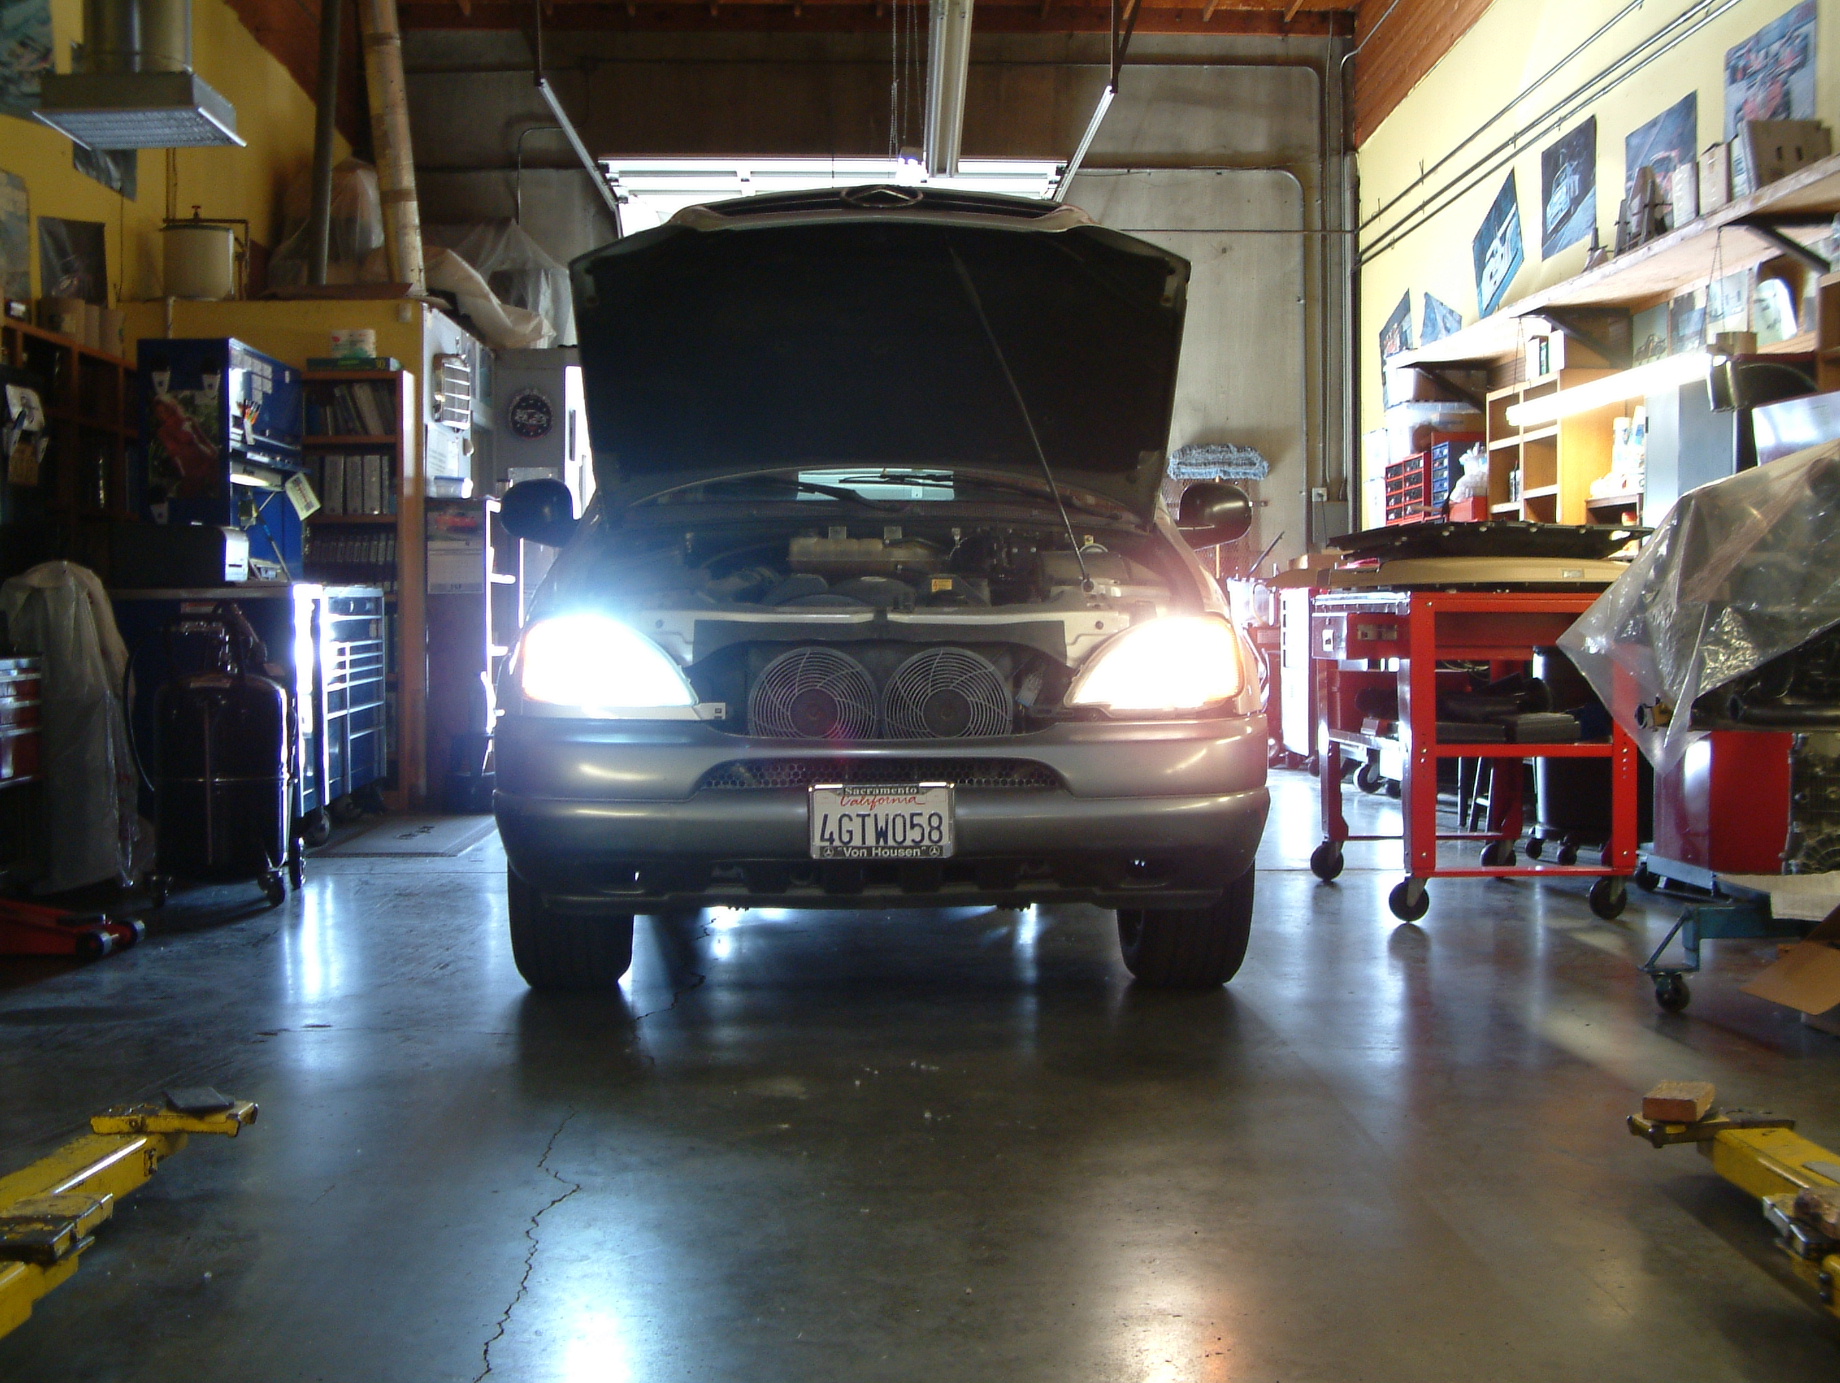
(1395, 641)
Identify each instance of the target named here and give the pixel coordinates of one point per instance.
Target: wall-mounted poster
(1441, 320)
(1568, 189)
(1396, 332)
(25, 52)
(116, 169)
(1770, 76)
(1670, 139)
(15, 238)
(1497, 249)
(73, 260)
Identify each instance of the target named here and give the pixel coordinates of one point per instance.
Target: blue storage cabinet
(221, 425)
(353, 641)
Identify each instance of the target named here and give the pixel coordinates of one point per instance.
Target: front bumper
(601, 815)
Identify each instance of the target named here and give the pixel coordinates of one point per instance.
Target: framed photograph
(1771, 75)
(25, 52)
(1670, 139)
(1497, 249)
(1568, 189)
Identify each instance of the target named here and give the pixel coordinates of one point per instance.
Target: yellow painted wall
(1502, 60)
(272, 112)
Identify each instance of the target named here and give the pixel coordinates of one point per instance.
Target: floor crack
(693, 980)
(530, 1256)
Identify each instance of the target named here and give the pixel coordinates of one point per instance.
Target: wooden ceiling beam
(1398, 43)
(993, 16)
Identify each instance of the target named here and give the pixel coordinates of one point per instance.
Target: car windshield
(885, 489)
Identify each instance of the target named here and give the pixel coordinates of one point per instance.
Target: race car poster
(1396, 332)
(1663, 144)
(1441, 320)
(1568, 189)
(1770, 76)
(1498, 250)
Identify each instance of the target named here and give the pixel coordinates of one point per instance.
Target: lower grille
(765, 775)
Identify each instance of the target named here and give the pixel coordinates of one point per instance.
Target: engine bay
(882, 631)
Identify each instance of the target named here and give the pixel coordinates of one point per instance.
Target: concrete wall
(1182, 158)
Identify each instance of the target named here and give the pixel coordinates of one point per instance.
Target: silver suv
(877, 603)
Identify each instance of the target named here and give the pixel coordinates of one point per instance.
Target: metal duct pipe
(319, 217)
(137, 36)
(948, 59)
(383, 74)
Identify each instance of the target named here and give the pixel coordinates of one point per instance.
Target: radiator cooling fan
(946, 694)
(812, 694)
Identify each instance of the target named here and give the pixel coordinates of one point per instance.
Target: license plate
(907, 821)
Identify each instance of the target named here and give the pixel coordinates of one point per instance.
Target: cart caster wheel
(296, 871)
(316, 828)
(1646, 879)
(274, 888)
(1568, 854)
(1313, 765)
(1393, 789)
(1497, 854)
(159, 889)
(1368, 779)
(1535, 847)
(1609, 896)
(1671, 992)
(137, 933)
(1326, 861)
(1409, 900)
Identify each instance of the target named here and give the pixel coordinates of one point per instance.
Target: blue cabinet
(221, 426)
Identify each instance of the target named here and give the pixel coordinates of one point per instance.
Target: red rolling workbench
(1397, 640)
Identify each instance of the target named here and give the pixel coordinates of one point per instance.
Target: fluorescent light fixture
(1647, 379)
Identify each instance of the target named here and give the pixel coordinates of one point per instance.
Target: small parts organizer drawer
(19, 719)
(1345, 637)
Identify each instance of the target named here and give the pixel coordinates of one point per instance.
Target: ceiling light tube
(1651, 378)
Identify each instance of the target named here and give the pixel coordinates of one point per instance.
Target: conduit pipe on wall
(948, 59)
(383, 73)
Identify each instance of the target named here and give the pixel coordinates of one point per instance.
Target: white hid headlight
(1179, 663)
(600, 666)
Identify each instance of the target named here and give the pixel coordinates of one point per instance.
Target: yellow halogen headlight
(1179, 663)
(599, 665)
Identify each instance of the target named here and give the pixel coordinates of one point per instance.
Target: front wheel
(555, 950)
(1188, 948)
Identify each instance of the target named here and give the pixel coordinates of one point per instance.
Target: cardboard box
(1766, 150)
(1807, 977)
(1714, 178)
(1683, 187)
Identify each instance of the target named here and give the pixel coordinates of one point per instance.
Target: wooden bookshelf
(92, 415)
(403, 578)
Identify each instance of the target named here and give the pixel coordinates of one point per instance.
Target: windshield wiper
(842, 493)
(960, 480)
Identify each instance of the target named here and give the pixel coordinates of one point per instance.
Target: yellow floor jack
(49, 1210)
(1798, 1182)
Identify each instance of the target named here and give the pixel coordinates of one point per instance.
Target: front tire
(1188, 948)
(559, 951)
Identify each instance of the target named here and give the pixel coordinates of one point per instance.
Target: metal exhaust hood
(133, 87)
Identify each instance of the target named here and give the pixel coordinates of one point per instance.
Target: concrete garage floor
(872, 1146)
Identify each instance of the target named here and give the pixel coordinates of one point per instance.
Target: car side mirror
(1213, 513)
(539, 511)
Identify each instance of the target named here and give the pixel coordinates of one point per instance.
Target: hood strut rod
(1028, 421)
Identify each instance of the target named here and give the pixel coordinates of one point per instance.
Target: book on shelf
(364, 407)
(354, 484)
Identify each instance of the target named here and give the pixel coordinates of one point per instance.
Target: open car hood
(842, 328)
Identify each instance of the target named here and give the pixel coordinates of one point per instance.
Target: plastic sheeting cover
(519, 271)
(355, 231)
(59, 612)
(1741, 571)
